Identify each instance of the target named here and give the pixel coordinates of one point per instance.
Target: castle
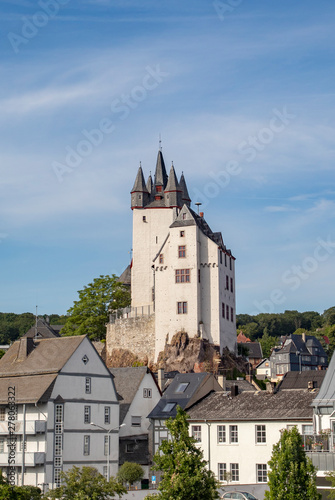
(182, 274)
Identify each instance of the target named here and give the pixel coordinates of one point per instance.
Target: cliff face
(185, 355)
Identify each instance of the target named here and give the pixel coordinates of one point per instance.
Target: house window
(104, 471)
(233, 434)
(106, 445)
(196, 432)
(182, 307)
(57, 477)
(223, 310)
(222, 472)
(182, 234)
(147, 393)
(181, 251)
(221, 433)
(88, 385)
(2, 413)
(231, 314)
(183, 276)
(107, 415)
(168, 407)
(130, 447)
(59, 414)
(182, 387)
(227, 312)
(136, 421)
(261, 473)
(231, 285)
(58, 428)
(86, 445)
(2, 444)
(87, 414)
(57, 461)
(161, 258)
(260, 434)
(235, 472)
(58, 445)
(227, 283)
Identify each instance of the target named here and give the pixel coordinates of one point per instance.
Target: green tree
(267, 343)
(8, 492)
(85, 484)
(89, 314)
(130, 472)
(185, 473)
(328, 316)
(331, 477)
(292, 475)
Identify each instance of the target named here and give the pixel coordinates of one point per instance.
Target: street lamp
(108, 431)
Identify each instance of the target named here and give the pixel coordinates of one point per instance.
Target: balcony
(32, 427)
(321, 450)
(31, 459)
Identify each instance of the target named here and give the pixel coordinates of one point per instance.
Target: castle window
(158, 189)
(161, 258)
(183, 276)
(227, 312)
(231, 285)
(220, 257)
(231, 314)
(223, 310)
(227, 283)
(225, 259)
(199, 275)
(182, 307)
(182, 234)
(144, 218)
(181, 251)
(231, 263)
(184, 216)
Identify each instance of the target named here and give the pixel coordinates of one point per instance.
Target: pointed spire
(172, 183)
(185, 196)
(150, 186)
(160, 173)
(139, 185)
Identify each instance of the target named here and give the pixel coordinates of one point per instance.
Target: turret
(150, 188)
(139, 193)
(160, 177)
(173, 192)
(185, 197)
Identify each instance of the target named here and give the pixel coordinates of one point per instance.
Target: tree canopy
(85, 484)
(89, 314)
(9, 492)
(130, 472)
(185, 472)
(292, 475)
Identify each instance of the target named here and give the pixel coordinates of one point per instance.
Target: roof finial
(160, 142)
(172, 163)
(140, 164)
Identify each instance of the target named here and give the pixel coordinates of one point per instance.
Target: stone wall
(131, 340)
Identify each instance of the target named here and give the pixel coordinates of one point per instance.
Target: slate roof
(125, 277)
(139, 184)
(172, 183)
(199, 385)
(43, 330)
(253, 406)
(161, 177)
(254, 349)
(299, 380)
(295, 343)
(185, 196)
(33, 375)
(326, 395)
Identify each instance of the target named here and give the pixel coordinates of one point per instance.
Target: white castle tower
(181, 271)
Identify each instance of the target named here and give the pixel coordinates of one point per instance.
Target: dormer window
(184, 216)
(182, 387)
(158, 189)
(168, 407)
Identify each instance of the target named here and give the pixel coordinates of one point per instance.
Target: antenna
(198, 204)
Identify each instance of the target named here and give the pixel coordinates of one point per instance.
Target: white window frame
(222, 472)
(107, 415)
(87, 414)
(261, 473)
(136, 421)
(87, 385)
(233, 434)
(221, 434)
(196, 432)
(260, 434)
(235, 473)
(87, 443)
(147, 392)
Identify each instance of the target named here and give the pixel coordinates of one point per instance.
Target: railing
(31, 459)
(131, 312)
(317, 443)
(16, 427)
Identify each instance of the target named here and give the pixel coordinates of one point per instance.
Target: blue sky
(242, 94)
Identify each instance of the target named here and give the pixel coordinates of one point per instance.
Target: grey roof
(243, 385)
(125, 277)
(149, 184)
(254, 349)
(295, 343)
(252, 406)
(199, 385)
(139, 184)
(172, 183)
(33, 365)
(43, 330)
(326, 395)
(185, 196)
(300, 380)
(161, 177)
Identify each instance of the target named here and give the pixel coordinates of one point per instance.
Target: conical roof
(139, 185)
(182, 183)
(150, 184)
(172, 183)
(161, 177)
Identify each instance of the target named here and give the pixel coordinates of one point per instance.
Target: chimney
(304, 336)
(222, 381)
(234, 391)
(269, 387)
(161, 378)
(25, 348)
(201, 214)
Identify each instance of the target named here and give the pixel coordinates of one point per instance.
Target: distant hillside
(13, 326)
